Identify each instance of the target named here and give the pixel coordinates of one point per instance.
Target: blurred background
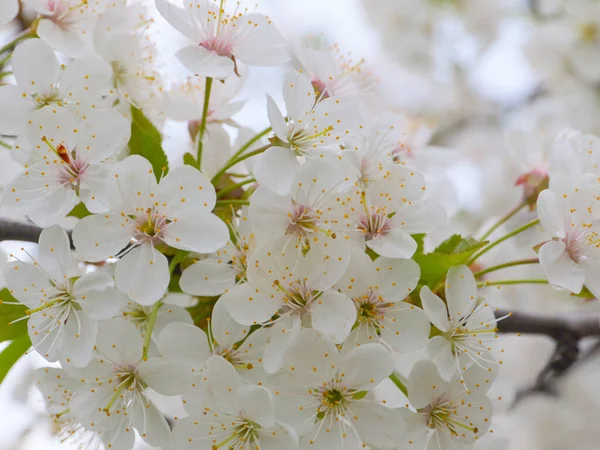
(486, 86)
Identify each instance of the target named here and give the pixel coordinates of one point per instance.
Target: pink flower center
(218, 45)
(374, 225)
(303, 220)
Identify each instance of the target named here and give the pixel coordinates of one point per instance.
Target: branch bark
(13, 230)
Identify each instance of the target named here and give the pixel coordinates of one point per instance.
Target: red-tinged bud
(533, 183)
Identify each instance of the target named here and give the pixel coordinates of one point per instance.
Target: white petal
(299, 95)
(333, 314)
(28, 283)
(550, 209)
(249, 307)
(256, 403)
(222, 384)
(35, 66)
(55, 124)
(55, 252)
(281, 335)
(130, 184)
(439, 350)
(208, 277)
(8, 11)
(366, 366)
(143, 274)
(85, 79)
(80, 338)
(397, 277)
(185, 189)
(461, 292)
(395, 244)
(150, 423)
(167, 376)
(262, 44)
(178, 18)
(281, 436)
(407, 329)
(197, 231)
(226, 331)
(205, 63)
(92, 187)
(561, 270)
(119, 341)
(192, 434)
(312, 357)
(425, 384)
(101, 236)
(276, 169)
(435, 309)
(15, 108)
(102, 135)
(97, 296)
(276, 119)
(185, 342)
(423, 217)
(60, 39)
(377, 426)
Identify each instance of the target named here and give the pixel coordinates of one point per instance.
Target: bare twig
(14, 230)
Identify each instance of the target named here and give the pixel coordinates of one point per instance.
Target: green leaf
(452, 252)
(419, 239)
(9, 313)
(190, 160)
(146, 141)
(11, 354)
(80, 211)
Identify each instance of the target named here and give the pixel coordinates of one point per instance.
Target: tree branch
(14, 230)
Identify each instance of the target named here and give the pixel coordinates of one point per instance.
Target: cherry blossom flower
(466, 325)
(64, 308)
(571, 259)
(377, 289)
(69, 162)
(111, 394)
(452, 415)
(298, 288)
(143, 214)
(325, 396)
(384, 215)
(222, 38)
(315, 128)
(233, 414)
(41, 81)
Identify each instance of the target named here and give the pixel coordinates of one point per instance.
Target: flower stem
(149, 328)
(510, 282)
(5, 145)
(233, 162)
(518, 262)
(233, 187)
(202, 130)
(503, 220)
(25, 34)
(249, 143)
(399, 384)
(487, 248)
(232, 202)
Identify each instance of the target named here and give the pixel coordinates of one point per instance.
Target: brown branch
(14, 230)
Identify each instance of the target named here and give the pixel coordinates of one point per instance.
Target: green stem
(232, 202)
(487, 248)
(149, 328)
(249, 143)
(25, 34)
(503, 220)
(399, 384)
(5, 74)
(5, 145)
(201, 131)
(233, 162)
(233, 187)
(509, 282)
(518, 262)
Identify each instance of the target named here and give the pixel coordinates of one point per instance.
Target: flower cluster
(301, 247)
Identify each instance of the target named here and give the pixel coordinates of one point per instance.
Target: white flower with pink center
(143, 214)
(68, 162)
(389, 210)
(223, 36)
(572, 258)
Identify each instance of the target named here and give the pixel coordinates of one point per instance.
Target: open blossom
(111, 394)
(467, 326)
(311, 213)
(449, 415)
(389, 210)
(315, 128)
(325, 396)
(378, 289)
(296, 287)
(68, 162)
(223, 37)
(233, 414)
(40, 81)
(140, 315)
(64, 308)
(66, 24)
(143, 214)
(571, 259)
(223, 269)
